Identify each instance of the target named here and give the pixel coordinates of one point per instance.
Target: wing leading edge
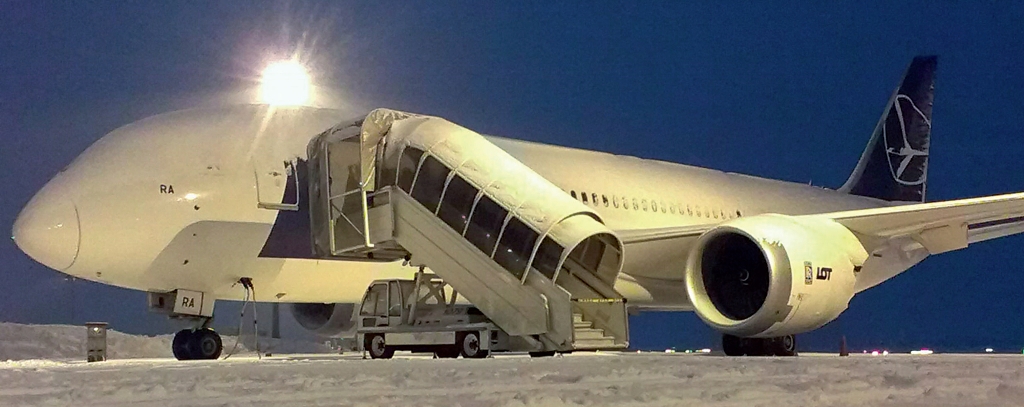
(938, 226)
(897, 237)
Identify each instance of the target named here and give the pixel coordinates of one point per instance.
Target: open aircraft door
(277, 184)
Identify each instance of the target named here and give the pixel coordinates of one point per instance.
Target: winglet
(894, 166)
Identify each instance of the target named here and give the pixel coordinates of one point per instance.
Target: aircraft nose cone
(47, 230)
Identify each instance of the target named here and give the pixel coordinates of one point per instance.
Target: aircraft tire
(179, 346)
(783, 345)
(732, 345)
(755, 346)
(205, 344)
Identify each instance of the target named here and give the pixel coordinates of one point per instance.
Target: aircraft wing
(937, 226)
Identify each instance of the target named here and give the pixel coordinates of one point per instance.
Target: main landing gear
(777, 346)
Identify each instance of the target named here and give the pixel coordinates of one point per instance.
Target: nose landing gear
(197, 344)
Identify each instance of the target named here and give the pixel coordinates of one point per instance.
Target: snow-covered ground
(626, 379)
(21, 341)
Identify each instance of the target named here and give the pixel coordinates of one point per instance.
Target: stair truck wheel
(469, 345)
(377, 348)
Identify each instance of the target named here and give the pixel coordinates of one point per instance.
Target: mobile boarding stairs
(539, 264)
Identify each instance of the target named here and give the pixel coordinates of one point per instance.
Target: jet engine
(773, 275)
(325, 319)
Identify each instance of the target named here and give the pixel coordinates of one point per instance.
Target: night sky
(788, 91)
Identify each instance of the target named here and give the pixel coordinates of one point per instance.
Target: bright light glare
(285, 83)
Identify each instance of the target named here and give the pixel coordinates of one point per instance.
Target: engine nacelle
(325, 319)
(773, 275)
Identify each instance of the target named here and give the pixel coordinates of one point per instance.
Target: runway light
(705, 350)
(285, 83)
(922, 352)
(988, 350)
(874, 353)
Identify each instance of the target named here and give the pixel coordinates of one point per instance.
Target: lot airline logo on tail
(907, 158)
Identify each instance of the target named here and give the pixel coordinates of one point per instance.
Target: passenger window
(615, 201)
(654, 206)
(376, 293)
(547, 257)
(635, 206)
(707, 213)
(584, 195)
(643, 203)
(407, 167)
(604, 199)
(698, 210)
(738, 213)
(672, 209)
(625, 203)
(456, 204)
(515, 247)
(593, 197)
(689, 210)
(430, 183)
(715, 214)
(663, 210)
(485, 224)
(573, 193)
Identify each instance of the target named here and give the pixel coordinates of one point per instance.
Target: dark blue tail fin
(894, 166)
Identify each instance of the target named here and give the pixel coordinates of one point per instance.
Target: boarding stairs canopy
(537, 262)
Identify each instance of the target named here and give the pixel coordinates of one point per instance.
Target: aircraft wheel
(205, 344)
(755, 346)
(179, 346)
(469, 346)
(545, 354)
(732, 345)
(377, 348)
(783, 345)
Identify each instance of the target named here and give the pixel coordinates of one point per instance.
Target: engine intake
(735, 274)
(773, 275)
(325, 319)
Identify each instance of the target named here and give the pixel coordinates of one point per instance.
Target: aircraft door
(277, 184)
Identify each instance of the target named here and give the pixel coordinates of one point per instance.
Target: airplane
(201, 200)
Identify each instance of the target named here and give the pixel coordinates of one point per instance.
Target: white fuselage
(173, 202)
